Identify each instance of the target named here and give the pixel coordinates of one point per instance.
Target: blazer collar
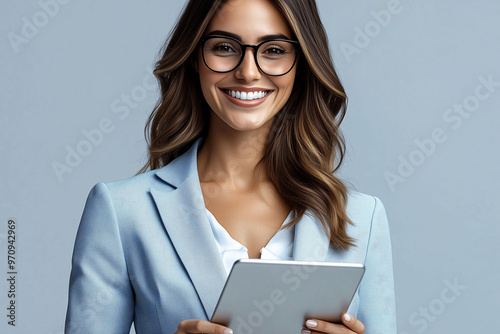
(183, 214)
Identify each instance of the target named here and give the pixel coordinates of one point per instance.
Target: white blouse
(280, 247)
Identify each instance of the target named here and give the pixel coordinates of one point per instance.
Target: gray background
(73, 73)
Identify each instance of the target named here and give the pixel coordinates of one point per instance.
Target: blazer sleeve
(377, 308)
(100, 294)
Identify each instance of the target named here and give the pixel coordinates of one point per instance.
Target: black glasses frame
(244, 47)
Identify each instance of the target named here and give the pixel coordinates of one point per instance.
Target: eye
(277, 50)
(223, 47)
(274, 50)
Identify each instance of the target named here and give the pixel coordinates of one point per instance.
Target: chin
(245, 127)
(247, 124)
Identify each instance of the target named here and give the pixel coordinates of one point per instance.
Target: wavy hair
(304, 147)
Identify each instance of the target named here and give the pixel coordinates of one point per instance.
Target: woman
(243, 145)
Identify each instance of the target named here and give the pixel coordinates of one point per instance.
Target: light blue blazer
(145, 253)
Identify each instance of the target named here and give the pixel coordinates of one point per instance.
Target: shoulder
(359, 202)
(133, 186)
(370, 225)
(363, 208)
(119, 196)
(164, 179)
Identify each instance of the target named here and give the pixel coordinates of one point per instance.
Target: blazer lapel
(182, 210)
(310, 241)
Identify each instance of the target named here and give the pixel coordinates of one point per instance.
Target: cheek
(286, 81)
(285, 84)
(208, 83)
(205, 82)
(204, 78)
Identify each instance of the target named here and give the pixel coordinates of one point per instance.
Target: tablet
(267, 296)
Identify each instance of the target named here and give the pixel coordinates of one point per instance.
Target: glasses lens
(221, 54)
(276, 57)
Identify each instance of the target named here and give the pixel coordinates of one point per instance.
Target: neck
(231, 157)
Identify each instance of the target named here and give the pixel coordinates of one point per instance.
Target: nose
(248, 69)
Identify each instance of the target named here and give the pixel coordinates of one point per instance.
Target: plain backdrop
(423, 82)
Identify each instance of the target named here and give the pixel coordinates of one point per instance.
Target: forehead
(250, 19)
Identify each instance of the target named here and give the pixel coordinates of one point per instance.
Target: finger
(353, 324)
(199, 326)
(315, 326)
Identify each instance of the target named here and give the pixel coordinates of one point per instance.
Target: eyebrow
(238, 37)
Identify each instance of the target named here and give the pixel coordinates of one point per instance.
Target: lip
(246, 103)
(247, 89)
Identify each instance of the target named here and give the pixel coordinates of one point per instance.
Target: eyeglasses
(223, 54)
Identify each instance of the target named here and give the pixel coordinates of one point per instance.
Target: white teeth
(246, 96)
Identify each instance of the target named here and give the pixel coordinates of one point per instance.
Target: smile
(246, 96)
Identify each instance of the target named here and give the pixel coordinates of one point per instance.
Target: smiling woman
(244, 144)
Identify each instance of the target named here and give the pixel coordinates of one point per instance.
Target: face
(250, 21)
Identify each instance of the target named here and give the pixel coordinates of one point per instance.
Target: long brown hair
(304, 147)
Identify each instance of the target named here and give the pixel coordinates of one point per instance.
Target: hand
(200, 326)
(350, 325)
